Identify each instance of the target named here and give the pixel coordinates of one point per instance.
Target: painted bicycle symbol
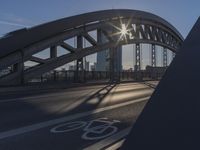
(93, 130)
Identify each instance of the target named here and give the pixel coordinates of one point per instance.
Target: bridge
(112, 28)
(99, 115)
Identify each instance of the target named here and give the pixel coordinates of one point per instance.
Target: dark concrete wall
(171, 118)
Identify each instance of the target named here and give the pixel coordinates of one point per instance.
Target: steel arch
(20, 46)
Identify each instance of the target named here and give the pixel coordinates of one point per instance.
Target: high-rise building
(93, 67)
(103, 57)
(118, 59)
(87, 65)
(103, 63)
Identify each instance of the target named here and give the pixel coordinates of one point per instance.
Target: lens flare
(124, 31)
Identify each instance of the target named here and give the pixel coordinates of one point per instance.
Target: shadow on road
(94, 99)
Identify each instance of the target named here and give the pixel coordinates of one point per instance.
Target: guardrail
(88, 76)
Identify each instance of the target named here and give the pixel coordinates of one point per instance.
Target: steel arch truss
(141, 28)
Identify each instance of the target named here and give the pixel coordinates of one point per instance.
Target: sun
(123, 30)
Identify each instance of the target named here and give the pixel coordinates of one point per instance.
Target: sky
(16, 14)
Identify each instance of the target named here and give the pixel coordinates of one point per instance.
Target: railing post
(164, 57)
(137, 57)
(153, 55)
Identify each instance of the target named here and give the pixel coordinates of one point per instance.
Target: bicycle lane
(94, 129)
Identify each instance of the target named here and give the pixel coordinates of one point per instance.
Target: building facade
(103, 60)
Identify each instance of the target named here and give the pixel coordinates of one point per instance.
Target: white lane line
(38, 126)
(110, 140)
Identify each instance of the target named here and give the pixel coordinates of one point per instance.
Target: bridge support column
(53, 52)
(164, 57)
(19, 70)
(153, 55)
(79, 74)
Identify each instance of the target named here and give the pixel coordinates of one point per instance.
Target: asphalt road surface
(91, 117)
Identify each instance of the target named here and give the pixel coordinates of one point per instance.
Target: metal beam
(67, 47)
(22, 38)
(107, 35)
(79, 75)
(50, 64)
(90, 39)
(14, 78)
(57, 39)
(38, 60)
(53, 52)
(10, 60)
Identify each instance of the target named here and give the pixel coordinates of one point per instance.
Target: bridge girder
(144, 28)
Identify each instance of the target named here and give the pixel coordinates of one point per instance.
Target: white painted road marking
(93, 130)
(101, 130)
(110, 140)
(37, 126)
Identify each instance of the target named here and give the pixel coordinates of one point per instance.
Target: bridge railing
(95, 76)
